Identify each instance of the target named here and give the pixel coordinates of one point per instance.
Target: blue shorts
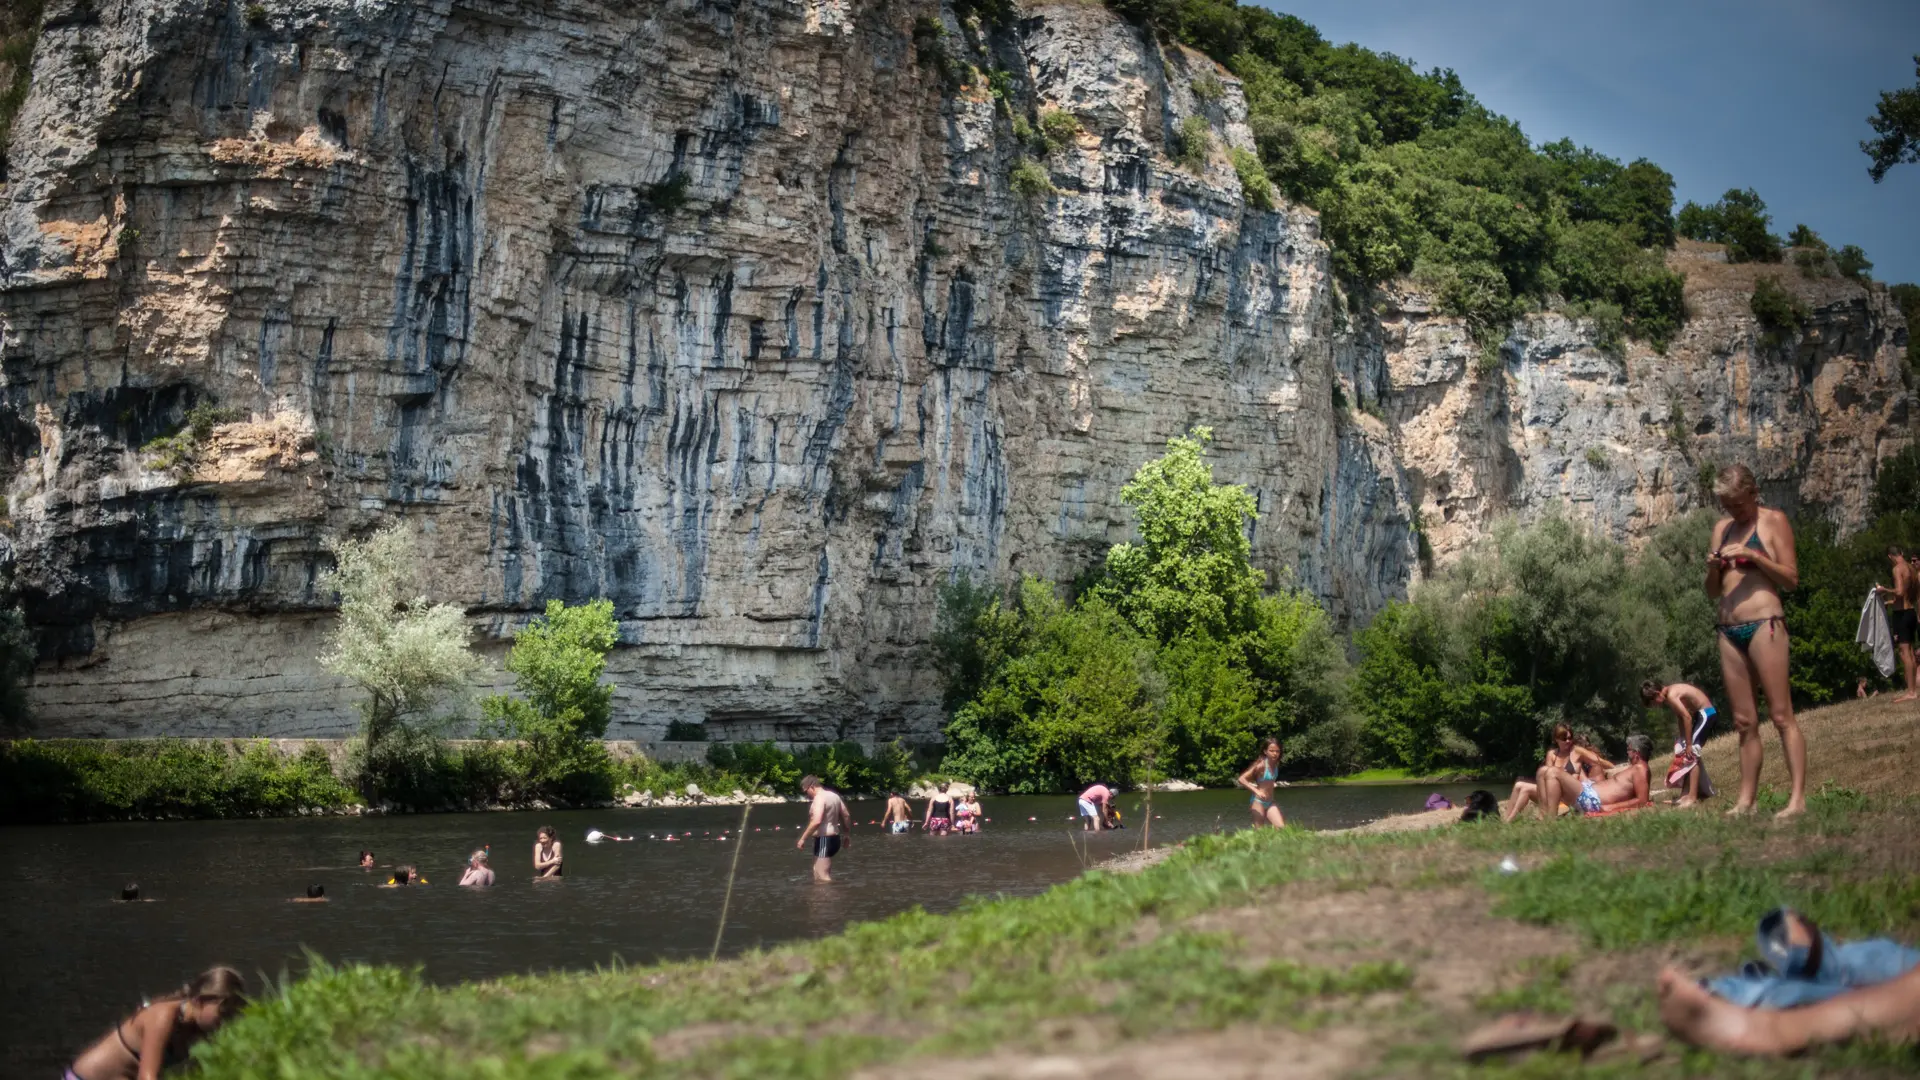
(1588, 802)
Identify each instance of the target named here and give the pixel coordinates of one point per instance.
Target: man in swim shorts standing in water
(827, 822)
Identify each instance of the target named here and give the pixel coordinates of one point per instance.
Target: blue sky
(1767, 94)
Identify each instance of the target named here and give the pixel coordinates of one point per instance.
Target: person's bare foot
(1686, 801)
(1793, 810)
(1697, 1017)
(1905, 697)
(1741, 810)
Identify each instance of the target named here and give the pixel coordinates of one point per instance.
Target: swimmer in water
(130, 894)
(366, 860)
(159, 1036)
(316, 894)
(478, 874)
(404, 875)
(546, 855)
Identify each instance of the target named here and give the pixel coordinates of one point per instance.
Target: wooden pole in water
(727, 901)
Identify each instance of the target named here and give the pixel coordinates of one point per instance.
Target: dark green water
(77, 961)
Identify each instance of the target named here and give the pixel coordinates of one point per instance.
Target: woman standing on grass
(1267, 766)
(1750, 564)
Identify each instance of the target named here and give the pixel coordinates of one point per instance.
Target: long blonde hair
(222, 984)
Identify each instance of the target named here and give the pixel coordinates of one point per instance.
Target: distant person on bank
(1750, 564)
(1261, 778)
(827, 822)
(1902, 599)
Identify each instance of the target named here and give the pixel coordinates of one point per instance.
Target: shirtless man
(827, 822)
(1628, 789)
(1694, 710)
(899, 816)
(1568, 759)
(1901, 616)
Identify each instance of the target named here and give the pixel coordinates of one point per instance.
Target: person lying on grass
(1568, 757)
(1628, 789)
(1850, 990)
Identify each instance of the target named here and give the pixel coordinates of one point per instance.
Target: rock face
(732, 314)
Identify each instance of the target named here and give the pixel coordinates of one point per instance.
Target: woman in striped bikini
(1749, 565)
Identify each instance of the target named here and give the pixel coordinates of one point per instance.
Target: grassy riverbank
(1328, 954)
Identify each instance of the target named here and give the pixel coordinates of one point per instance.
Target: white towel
(1874, 634)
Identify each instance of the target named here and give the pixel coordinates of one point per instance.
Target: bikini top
(1754, 542)
(174, 1054)
(1269, 774)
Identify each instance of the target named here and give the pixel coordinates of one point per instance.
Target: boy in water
(827, 821)
(1694, 711)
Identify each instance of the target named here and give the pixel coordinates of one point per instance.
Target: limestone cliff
(730, 313)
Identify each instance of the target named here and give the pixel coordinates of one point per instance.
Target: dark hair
(315, 892)
(1273, 742)
(1894, 552)
(365, 855)
(130, 891)
(808, 782)
(403, 874)
(546, 830)
(1562, 731)
(1650, 690)
(1481, 804)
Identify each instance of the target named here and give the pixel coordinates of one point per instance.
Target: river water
(76, 960)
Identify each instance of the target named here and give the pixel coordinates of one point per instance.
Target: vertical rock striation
(730, 314)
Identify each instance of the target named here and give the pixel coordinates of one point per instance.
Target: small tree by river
(563, 712)
(402, 651)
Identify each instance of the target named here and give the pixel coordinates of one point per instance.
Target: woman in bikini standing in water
(1259, 779)
(1749, 565)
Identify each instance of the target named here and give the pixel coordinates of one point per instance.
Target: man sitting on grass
(1627, 789)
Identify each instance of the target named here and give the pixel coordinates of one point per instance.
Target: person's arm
(156, 1030)
(1246, 778)
(1716, 566)
(1686, 719)
(813, 824)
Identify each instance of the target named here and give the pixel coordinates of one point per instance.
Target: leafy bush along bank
(61, 780)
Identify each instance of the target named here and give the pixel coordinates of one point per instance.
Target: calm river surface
(76, 960)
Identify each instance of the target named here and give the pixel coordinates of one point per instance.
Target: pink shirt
(1097, 794)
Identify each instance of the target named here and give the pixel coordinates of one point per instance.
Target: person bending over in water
(477, 874)
(939, 811)
(159, 1036)
(1094, 804)
(1694, 711)
(546, 855)
(827, 821)
(1568, 757)
(316, 894)
(1260, 778)
(1627, 790)
(899, 816)
(366, 860)
(1750, 564)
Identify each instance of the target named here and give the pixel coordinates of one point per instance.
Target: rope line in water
(727, 901)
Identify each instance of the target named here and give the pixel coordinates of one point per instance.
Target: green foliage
(1896, 123)
(1780, 312)
(1209, 88)
(1597, 458)
(402, 652)
(1906, 297)
(1058, 127)
(685, 731)
(1739, 220)
(1546, 624)
(930, 48)
(1029, 179)
(18, 654)
(557, 661)
(1194, 143)
(1255, 188)
(668, 195)
(256, 16)
(90, 781)
(1896, 484)
(19, 34)
(1852, 262)
(180, 453)
(758, 766)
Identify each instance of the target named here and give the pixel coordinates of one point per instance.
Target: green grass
(1118, 956)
